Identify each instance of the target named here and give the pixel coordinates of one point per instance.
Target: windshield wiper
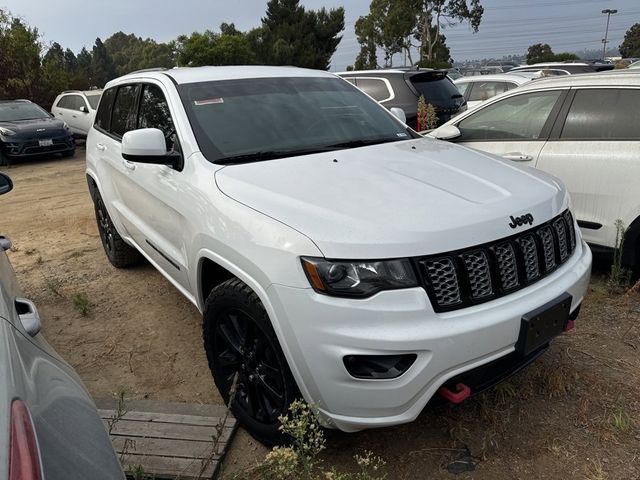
(274, 154)
(364, 143)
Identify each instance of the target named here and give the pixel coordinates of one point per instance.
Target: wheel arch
(224, 267)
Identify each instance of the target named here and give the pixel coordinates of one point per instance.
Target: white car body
(78, 109)
(477, 89)
(601, 173)
(412, 198)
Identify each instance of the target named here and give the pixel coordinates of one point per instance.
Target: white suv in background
(333, 252)
(585, 129)
(78, 109)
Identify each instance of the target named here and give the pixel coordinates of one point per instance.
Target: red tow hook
(569, 326)
(456, 397)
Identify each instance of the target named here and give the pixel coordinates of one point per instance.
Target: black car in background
(402, 88)
(27, 130)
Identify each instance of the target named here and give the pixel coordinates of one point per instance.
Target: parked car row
(584, 129)
(27, 130)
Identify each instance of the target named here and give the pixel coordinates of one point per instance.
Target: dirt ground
(573, 414)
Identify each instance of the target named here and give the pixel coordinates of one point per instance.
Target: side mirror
(29, 316)
(445, 132)
(148, 145)
(83, 109)
(399, 114)
(6, 185)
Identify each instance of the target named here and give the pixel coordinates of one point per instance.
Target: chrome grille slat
(463, 278)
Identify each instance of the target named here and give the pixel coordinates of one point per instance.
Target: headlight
(358, 279)
(6, 132)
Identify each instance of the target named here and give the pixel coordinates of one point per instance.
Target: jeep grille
(467, 277)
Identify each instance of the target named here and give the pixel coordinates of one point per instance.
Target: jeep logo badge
(519, 221)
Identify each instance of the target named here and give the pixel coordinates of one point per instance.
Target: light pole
(609, 12)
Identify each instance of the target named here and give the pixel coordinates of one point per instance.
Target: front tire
(68, 154)
(119, 253)
(241, 343)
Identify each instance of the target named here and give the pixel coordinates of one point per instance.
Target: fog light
(378, 366)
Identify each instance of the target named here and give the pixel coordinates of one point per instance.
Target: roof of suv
(613, 77)
(184, 75)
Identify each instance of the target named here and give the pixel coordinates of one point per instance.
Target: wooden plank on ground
(169, 440)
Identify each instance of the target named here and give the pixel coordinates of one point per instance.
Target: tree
(394, 25)
(538, 53)
(541, 52)
(631, 44)
(368, 57)
(291, 35)
(433, 15)
(102, 67)
(20, 50)
(210, 48)
(54, 77)
(130, 53)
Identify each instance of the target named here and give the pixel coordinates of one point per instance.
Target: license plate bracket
(543, 324)
(47, 142)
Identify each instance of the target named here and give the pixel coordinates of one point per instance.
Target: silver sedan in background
(49, 425)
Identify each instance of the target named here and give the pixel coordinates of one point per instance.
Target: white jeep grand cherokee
(334, 253)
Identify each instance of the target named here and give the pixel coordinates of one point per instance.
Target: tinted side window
(374, 87)
(64, 102)
(463, 87)
(76, 102)
(154, 113)
(521, 117)
(103, 115)
(603, 114)
(123, 116)
(485, 90)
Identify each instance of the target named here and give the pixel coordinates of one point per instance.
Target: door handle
(129, 165)
(518, 157)
(100, 147)
(28, 315)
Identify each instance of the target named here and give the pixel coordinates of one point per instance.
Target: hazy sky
(508, 26)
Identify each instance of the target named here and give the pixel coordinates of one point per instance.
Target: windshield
(265, 118)
(93, 100)
(12, 112)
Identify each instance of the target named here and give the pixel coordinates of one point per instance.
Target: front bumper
(318, 331)
(16, 147)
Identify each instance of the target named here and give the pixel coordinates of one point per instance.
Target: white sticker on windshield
(402, 134)
(210, 101)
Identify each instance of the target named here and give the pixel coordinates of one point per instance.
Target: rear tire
(239, 340)
(119, 253)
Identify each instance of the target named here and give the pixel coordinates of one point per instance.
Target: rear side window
(374, 87)
(603, 114)
(64, 102)
(520, 117)
(103, 115)
(436, 88)
(123, 116)
(463, 87)
(482, 91)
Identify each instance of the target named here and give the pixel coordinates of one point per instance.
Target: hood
(399, 199)
(34, 128)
